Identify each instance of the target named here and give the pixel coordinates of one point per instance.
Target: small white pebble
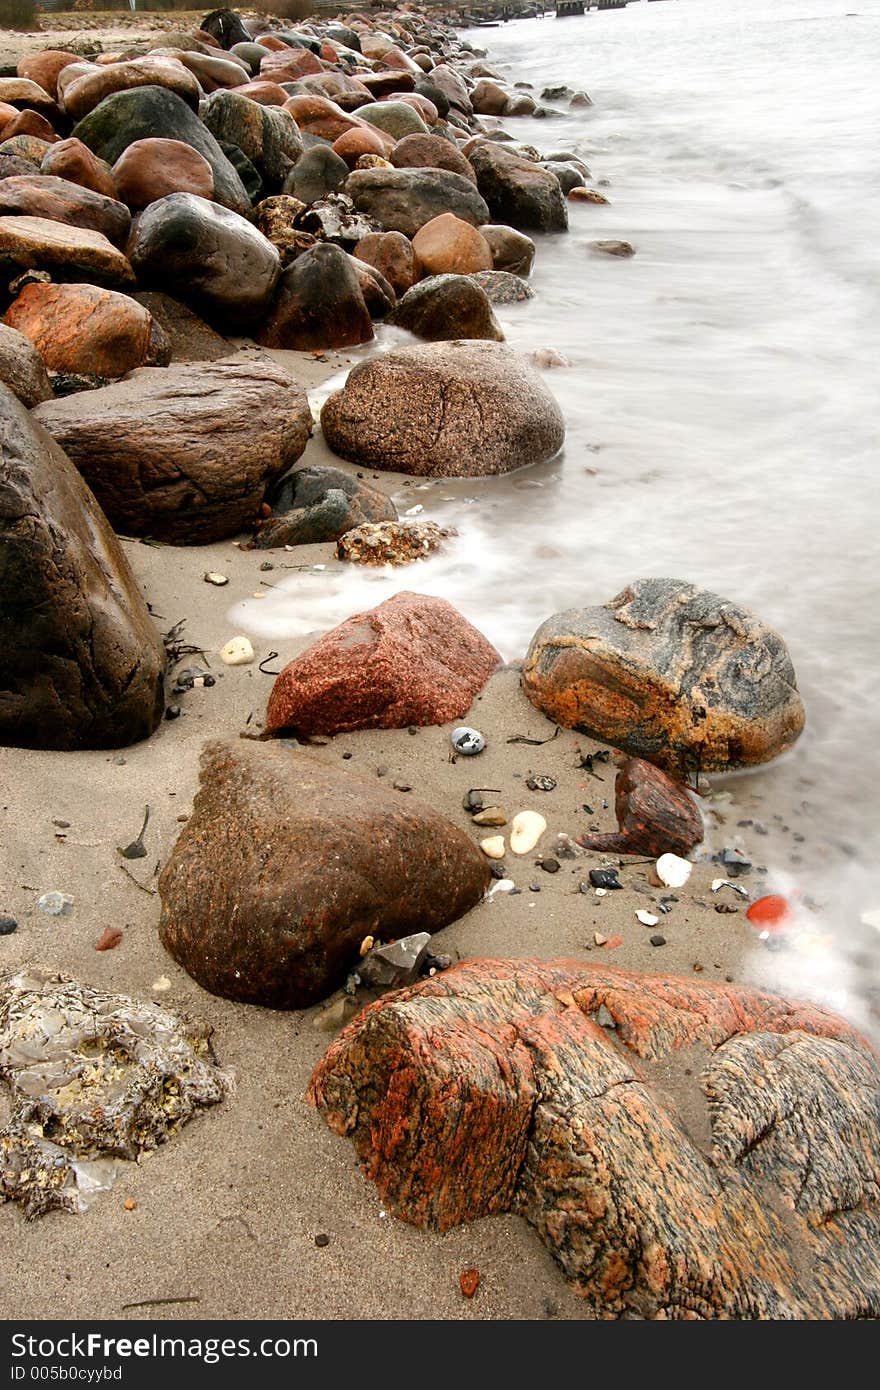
(319, 567)
(599, 938)
(601, 892)
(493, 847)
(501, 885)
(526, 830)
(647, 919)
(237, 652)
(673, 871)
(162, 985)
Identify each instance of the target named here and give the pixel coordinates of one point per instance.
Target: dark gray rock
(22, 368)
(317, 172)
(314, 505)
(403, 200)
(518, 191)
(319, 304)
(447, 307)
(267, 135)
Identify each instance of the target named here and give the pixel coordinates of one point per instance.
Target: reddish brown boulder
(21, 92)
(412, 660)
(81, 662)
(184, 453)
(82, 328)
(319, 303)
(43, 68)
(288, 863)
(669, 672)
(265, 93)
(684, 1150)
(431, 152)
(392, 254)
(151, 169)
(42, 195)
(28, 123)
(74, 161)
(362, 140)
(655, 815)
(289, 65)
(446, 244)
(316, 115)
(83, 87)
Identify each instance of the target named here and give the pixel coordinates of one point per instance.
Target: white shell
(647, 919)
(493, 847)
(501, 885)
(673, 870)
(237, 652)
(526, 830)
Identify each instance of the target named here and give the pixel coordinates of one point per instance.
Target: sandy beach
(221, 1222)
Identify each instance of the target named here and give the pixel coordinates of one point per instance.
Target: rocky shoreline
(191, 239)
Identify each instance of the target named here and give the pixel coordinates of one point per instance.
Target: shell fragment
(673, 871)
(647, 919)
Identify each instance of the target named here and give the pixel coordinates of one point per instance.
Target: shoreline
(228, 1212)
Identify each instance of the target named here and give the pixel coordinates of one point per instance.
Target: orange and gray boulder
(67, 253)
(151, 169)
(445, 410)
(59, 200)
(184, 453)
(86, 329)
(22, 368)
(686, 1151)
(81, 662)
(411, 660)
(671, 673)
(286, 865)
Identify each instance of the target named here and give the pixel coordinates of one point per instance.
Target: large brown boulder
(81, 662)
(83, 86)
(208, 256)
(44, 67)
(319, 304)
(74, 161)
(67, 253)
(86, 329)
(671, 673)
(288, 863)
(517, 191)
(411, 660)
(184, 453)
(151, 169)
(431, 152)
(444, 410)
(687, 1151)
(403, 200)
(22, 368)
(448, 245)
(390, 253)
(59, 200)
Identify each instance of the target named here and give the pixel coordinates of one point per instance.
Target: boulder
(685, 1150)
(518, 191)
(81, 662)
(155, 113)
(27, 123)
(336, 219)
(21, 93)
(396, 118)
(444, 410)
(489, 98)
(12, 165)
(22, 368)
(29, 147)
(74, 161)
(184, 453)
(67, 253)
(511, 250)
(391, 253)
(378, 295)
(44, 67)
(447, 244)
(447, 307)
(671, 673)
(314, 505)
(319, 304)
(313, 861)
(411, 660)
(403, 200)
(151, 169)
(83, 86)
(453, 86)
(500, 287)
(266, 93)
(352, 144)
(58, 200)
(319, 116)
(83, 328)
(431, 152)
(212, 72)
(268, 135)
(317, 172)
(208, 256)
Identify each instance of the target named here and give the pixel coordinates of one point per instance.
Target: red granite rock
(392, 254)
(151, 169)
(74, 161)
(43, 68)
(83, 328)
(411, 660)
(28, 123)
(686, 1151)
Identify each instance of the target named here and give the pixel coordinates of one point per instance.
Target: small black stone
(550, 866)
(172, 712)
(7, 925)
(412, 729)
(402, 786)
(497, 870)
(605, 878)
(534, 887)
(346, 756)
(658, 940)
(209, 680)
(322, 1240)
(267, 565)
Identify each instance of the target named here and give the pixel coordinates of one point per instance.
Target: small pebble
(130, 1204)
(218, 580)
(367, 945)
(550, 866)
(237, 652)
(647, 919)
(402, 786)
(605, 878)
(468, 1281)
(467, 742)
(540, 784)
(526, 831)
(502, 885)
(162, 985)
(493, 846)
(109, 938)
(492, 815)
(599, 938)
(54, 904)
(673, 871)
(658, 940)
(322, 1241)
(172, 712)
(62, 824)
(7, 925)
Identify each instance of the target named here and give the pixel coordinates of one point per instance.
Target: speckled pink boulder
(411, 660)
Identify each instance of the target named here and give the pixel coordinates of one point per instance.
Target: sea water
(721, 404)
